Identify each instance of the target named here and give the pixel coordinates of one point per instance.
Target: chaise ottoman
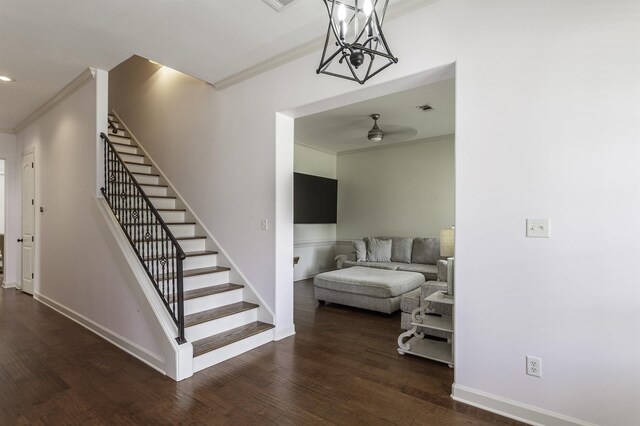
(368, 288)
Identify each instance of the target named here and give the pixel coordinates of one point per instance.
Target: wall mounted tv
(315, 199)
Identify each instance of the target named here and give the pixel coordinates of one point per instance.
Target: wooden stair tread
(128, 153)
(118, 136)
(161, 196)
(201, 347)
(137, 164)
(208, 291)
(123, 144)
(188, 254)
(120, 182)
(221, 312)
(160, 210)
(155, 223)
(145, 174)
(194, 272)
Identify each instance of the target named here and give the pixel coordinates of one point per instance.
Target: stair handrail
(178, 317)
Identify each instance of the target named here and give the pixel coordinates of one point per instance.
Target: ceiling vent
(425, 107)
(278, 5)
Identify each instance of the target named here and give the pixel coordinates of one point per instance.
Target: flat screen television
(315, 199)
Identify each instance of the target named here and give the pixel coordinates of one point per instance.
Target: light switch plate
(537, 228)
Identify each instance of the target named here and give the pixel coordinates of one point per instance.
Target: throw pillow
(401, 249)
(378, 250)
(426, 250)
(361, 250)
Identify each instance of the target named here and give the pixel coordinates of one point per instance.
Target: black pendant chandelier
(355, 29)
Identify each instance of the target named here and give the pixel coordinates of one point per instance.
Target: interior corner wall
(407, 190)
(76, 267)
(315, 244)
(11, 251)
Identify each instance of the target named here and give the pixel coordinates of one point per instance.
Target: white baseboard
(513, 409)
(284, 333)
(9, 285)
(307, 276)
(152, 360)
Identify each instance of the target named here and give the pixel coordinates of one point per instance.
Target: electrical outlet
(538, 228)
(534, 366)
(264, 225)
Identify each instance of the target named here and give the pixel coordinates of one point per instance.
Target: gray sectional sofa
(400, 254)
(402, 264)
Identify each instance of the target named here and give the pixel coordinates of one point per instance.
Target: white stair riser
(139, 168)
(163, 203)
(195, 262)
(173, 216)
(126, 149)
(220, 325)
(183, 230)
(205, 280)
(229, 351)
(154, 190)
(119, 139)
(192, 245)
(119, 131)
(132, 158)
(152, 180)
(213, 301)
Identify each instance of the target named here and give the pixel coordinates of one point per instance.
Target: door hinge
(32, 240)
(32, 201)
(32, 165)
(32, 275)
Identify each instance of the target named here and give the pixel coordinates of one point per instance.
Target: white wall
(77, 269)
(546, 126)
(2, 196)
(407, 190)
(529, 143)
(11, 199)
(315, 243)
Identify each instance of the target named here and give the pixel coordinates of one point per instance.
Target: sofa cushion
(361, 250)
(430, 272)
(369, 281)
(379, 265)
(401, 249)
(378, 250)
(426, 250)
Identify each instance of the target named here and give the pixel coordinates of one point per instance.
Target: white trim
(306, 277)
(123, 343)
(315, 148)
(66, 91)
(345, 242)
(221, 250)
(7, 131)
(513, 409)
(398, 10)
(178, 364)
(398, 144)
(9, 285)
(283, 333)
(314, 243)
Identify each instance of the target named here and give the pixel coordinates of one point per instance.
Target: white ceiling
(45, 44)
(346, 128)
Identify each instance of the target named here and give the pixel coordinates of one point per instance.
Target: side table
(413, 342)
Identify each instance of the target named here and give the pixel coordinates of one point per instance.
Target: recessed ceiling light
(6, 79)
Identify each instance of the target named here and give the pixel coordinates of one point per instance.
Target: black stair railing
(150, 237)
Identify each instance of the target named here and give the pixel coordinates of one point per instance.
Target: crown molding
(68, 90)
(399, 144)
(315, 148)
(399, 10)
(7, 131)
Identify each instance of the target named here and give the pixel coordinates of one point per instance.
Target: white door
(28, 222)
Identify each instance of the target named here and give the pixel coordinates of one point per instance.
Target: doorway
(27, 237)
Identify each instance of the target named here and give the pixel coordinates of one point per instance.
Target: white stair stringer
(217, 330)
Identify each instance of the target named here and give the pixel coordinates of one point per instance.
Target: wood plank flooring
(341, 367)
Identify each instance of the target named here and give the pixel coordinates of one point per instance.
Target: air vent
(278, 5)
(425, 107)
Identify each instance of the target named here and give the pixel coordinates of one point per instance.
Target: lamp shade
(446, 242)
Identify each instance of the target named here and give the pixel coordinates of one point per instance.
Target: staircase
(217, 318)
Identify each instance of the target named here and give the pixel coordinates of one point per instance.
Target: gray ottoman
(368, 288)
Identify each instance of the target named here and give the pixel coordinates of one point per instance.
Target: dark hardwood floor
(341, 367)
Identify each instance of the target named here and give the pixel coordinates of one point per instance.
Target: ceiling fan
(376, 134)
